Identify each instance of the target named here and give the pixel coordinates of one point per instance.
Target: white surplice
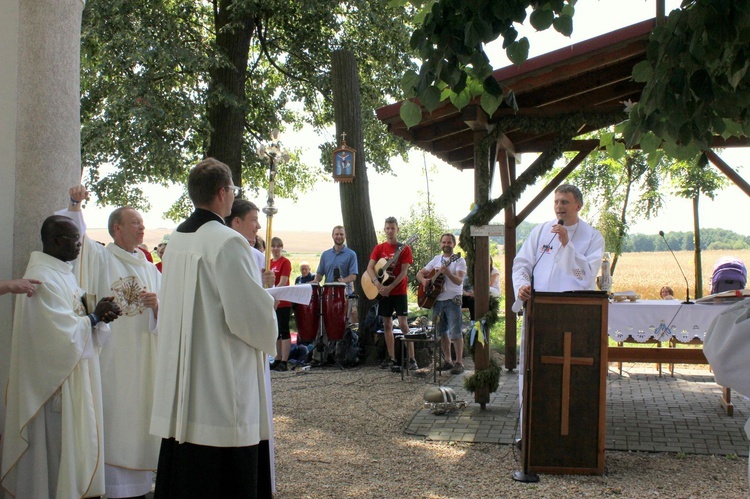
(568, 268)
(53, 445)
(128, 362)
(216, 326)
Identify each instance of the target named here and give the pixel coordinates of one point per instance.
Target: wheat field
(646, 273)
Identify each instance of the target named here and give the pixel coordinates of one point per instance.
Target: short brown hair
(571, 189)
(391, 220)
(240, 208)
(206, 178)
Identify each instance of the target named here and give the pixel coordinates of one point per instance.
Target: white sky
(450, 189)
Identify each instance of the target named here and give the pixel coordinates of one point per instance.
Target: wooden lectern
(565, 383)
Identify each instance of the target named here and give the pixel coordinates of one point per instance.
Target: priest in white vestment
(128, 362)
(562, 257)
(216, 327)
(53, 445)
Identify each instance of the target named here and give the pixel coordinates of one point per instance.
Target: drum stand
(323, 347)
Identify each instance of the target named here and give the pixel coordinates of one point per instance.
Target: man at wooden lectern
(557, 257)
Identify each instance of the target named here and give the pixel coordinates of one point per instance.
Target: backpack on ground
(348, 351)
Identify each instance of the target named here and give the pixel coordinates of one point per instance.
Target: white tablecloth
(660, 320)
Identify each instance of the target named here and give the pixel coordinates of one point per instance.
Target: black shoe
(274, 364)
(447, 366)
(413, 365)
(387, 362)
(282, 366)
(457, 369)
(395, 366)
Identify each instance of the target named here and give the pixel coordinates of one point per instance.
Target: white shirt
(450, 289)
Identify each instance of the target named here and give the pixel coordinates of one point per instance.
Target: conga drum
(307, 316)
(334, 310)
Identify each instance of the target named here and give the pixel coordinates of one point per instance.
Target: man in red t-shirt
(393, 293)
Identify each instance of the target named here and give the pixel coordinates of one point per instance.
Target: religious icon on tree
(343, 162)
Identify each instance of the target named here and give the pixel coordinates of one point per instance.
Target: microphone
(687, 285)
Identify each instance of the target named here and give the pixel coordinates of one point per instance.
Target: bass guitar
(384, 271)
(431, 289)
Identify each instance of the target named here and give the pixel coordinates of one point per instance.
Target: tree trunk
(355, 195)
(226, 90)
(698, 264)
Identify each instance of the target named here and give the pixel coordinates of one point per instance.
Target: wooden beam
(728, 171)
(657, 355)
(504, 143)
(475, 117)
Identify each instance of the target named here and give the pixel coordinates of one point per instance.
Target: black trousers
(188, 471)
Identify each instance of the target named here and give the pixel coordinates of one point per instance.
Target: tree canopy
(151, 74)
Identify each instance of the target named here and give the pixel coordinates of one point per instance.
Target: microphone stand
(687, 285)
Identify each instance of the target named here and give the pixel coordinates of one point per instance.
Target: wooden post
(507, 167)
(481, 266)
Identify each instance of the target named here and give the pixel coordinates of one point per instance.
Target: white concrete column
(48, 140)
(40, 138)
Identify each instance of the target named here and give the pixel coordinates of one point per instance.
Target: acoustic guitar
(431, 289)
(384, 271)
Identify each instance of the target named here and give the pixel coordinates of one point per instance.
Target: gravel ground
(341, 434)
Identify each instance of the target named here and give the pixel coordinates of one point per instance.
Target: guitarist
(448, 271)
(392, 291)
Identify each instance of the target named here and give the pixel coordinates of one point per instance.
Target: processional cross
(567, 361)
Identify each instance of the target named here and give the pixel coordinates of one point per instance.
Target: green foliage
(451, 38)
(489, 377)
(711, 239)
(696, 78)
(146, 82)
(422, 220)
(693, 179)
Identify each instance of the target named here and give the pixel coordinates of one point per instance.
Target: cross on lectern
(566, 360)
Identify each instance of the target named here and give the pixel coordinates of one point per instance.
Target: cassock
(128, 362)
(53, 444)
(216, 327)
(570, 268)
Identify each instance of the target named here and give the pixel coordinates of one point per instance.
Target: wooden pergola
(560, 96)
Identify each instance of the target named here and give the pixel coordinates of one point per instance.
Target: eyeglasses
(236, 190)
